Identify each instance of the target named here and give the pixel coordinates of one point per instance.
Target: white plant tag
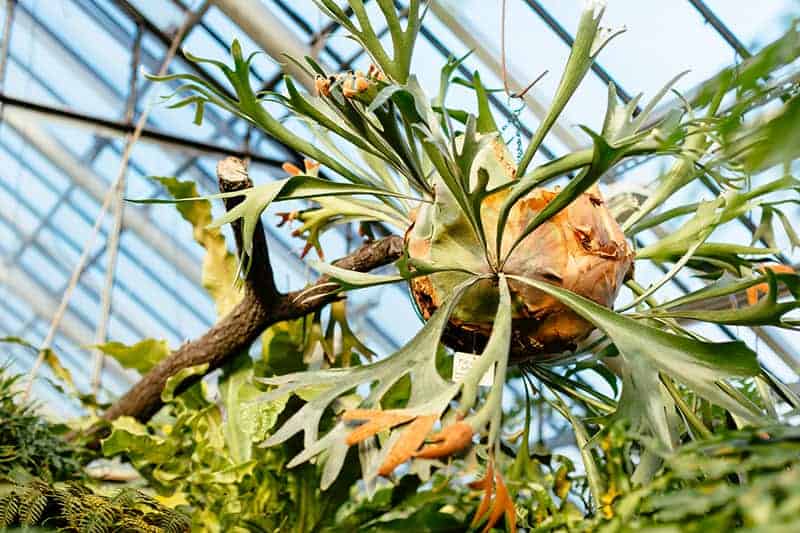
(462, 363)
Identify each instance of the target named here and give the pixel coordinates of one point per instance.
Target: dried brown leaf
(448, 441)
(376, 421)
(411, 439)
(486, 484)
(754, 292)
(502, 504)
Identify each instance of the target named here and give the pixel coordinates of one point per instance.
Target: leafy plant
(522, 274)
(199, 453)
(30, 444)
(735, 480)
(73, 507)
(522, 278)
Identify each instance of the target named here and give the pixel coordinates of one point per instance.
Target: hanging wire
(112, 249)
(515, 122)
(516, 111)
(192, 18)
(509, 92)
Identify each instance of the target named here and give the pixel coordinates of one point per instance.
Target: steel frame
(225, 128)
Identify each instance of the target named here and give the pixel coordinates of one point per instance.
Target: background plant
(399, 156)
(447, 158)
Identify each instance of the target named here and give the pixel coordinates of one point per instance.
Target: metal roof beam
(115, 128)
(67, 56)
(92, 291)
(30, 239)
(725, 32)
(568, 39)
(97, 187)
(134, 220)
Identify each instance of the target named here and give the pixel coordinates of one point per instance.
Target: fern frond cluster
(31, 443)
(74, 507)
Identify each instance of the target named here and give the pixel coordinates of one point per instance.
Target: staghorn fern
(477, 252)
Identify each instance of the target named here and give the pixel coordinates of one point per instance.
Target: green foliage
(219, 265)
(35, 460)
(200, 453)
(407, 506)
(49, 357)
(257, 199)
(141, 356)
(677, 388)
(30, 444)
(74, 508)
(429, 396)
(735, 480)
(398, 66)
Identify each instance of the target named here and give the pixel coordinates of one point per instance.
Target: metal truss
(270, 33)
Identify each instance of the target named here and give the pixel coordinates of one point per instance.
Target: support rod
(96, 187)
(730, 37)
(116, 128)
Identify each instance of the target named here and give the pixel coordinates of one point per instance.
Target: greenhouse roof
(72, 91)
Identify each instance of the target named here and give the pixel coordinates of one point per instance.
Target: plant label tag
(462, 363)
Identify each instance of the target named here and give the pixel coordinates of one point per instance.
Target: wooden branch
(261, 306)
(232, 175)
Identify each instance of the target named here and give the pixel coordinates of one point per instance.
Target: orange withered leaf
(503, 504)
(486, 484)
(375, 73)
(410, 440)
(291, 169)
(308, 246)
(448, 441)
(312, 167)
(323, 85)
(755, 291)
(376, 421)
(287, 216)
(491, 483)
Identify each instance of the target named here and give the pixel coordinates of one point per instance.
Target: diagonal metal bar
(58, 263)
(67, 238)
(287, 8)
(385, 340)
(96, 186)
(493, 99)
(108, 199)
(565, 36)
(111, 246)
(725, 32)
(115, 128)
(42, 304)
